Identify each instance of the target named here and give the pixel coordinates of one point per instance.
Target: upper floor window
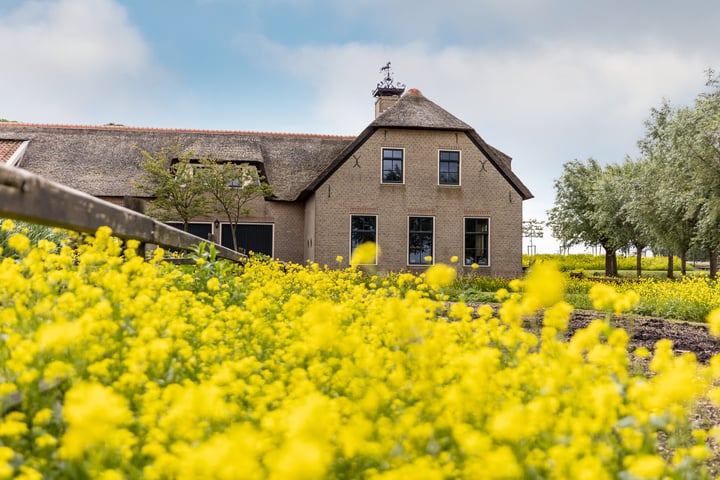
(246, 175)
(235, 174)
(449, 168)
(392, 165)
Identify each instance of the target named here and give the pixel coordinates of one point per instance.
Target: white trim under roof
(15, 158)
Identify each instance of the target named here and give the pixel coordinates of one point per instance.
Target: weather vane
(388, 86)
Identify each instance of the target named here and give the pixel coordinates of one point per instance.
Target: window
(476, 241)
(184, 171)
(199, 229)
(420, 240)
(247, 176)
(202, 230)
(255, 237)
(392, 165)
(449, 168)
(363, 228)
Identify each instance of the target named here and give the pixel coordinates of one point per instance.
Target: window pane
(392, 165)
(362, 229)
(476, 241)
(449, 168)
(420, 240)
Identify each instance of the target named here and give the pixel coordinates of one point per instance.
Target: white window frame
(459, 152)
(350, 249)
(382, 166)
(489, 250)
(407, 243)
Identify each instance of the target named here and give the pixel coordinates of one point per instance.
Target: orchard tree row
(667, 199)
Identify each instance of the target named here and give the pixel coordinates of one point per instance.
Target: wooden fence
(31, 198)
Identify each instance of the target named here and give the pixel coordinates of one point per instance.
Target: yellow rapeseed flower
(646, 466)
(713, 321)
(544, 286)
(19, 242)
(93, 413)
(213, 284)
(440, 275)
(365, 254)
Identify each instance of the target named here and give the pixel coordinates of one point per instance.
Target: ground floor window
(420, 240)
(476, 241)
(255, 237)
(363, 228)
(202, 230)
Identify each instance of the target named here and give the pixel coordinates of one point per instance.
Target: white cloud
(70, 59)
(553, 87)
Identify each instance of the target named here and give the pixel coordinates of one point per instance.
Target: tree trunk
(638, 261)
(186, 225)
(683, 262)
(233, 231)
(712, 254)
(671, 266)
(610, 262)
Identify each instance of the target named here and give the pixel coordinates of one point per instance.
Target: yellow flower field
(115, 367)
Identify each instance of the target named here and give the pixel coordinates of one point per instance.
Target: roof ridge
(174, 130)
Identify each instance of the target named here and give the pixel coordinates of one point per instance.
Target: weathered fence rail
(29, 197)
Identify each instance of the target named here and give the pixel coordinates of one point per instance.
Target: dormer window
(248, 176)
(186, 170)
(392, 165)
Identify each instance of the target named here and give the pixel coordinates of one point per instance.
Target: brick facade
(356, 188)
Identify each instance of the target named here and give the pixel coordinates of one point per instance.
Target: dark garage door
(202, 230)
(250, 236)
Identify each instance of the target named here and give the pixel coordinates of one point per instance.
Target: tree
(697, 138)
(231, 186)
(169, 178)
(585, 211)
(621, 184)
(532, 228)
(674, 203)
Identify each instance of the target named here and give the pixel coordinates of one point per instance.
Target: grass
(689, 298)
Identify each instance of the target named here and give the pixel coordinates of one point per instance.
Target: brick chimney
(385, 102)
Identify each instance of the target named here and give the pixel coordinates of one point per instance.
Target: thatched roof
(414, 111)
(104, 161)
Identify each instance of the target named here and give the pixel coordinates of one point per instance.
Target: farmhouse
(417, 180)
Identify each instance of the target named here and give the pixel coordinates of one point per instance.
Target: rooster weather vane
(388, 86)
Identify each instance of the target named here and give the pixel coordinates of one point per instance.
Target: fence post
(137, 205)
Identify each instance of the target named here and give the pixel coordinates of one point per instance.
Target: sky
(545, 81)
